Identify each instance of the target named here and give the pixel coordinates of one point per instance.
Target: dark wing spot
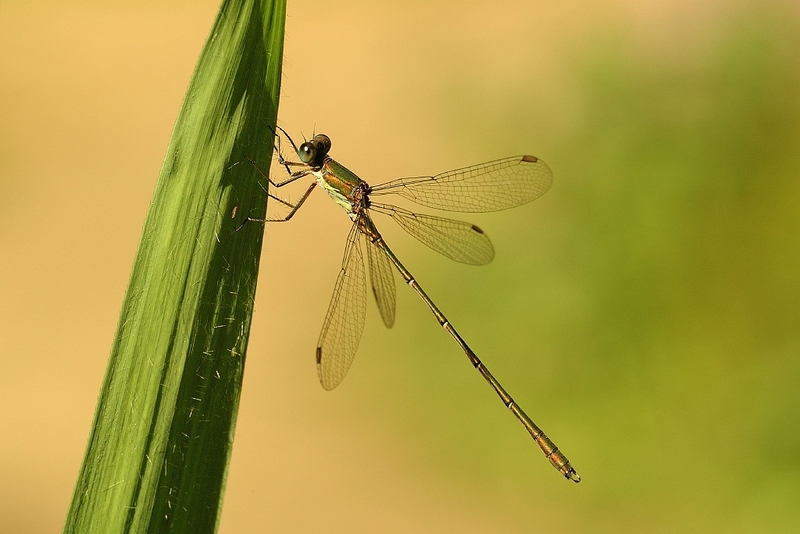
(530, 159)
(319, 355)
(476, 229)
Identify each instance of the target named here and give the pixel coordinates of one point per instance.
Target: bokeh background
(645, 312)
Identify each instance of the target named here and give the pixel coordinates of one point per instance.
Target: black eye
(323, 143)
(307, 152)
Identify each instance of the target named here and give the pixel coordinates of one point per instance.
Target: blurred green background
(645, 312)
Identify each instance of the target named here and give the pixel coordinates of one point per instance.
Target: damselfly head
(314, 151)
(324, 142)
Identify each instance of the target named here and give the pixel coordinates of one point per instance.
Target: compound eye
(307, 153)
(323, 142)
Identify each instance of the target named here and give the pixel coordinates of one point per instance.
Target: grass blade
(159, 448)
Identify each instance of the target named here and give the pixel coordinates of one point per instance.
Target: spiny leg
(296, 175)
(294, 208)
(551, 452)
(283, 161)
(294, 146)
(293, 176)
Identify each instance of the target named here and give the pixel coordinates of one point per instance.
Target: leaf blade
(160, 444)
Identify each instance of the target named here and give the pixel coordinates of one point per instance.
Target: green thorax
(339, 182)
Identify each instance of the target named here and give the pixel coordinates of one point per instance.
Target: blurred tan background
(645, 312)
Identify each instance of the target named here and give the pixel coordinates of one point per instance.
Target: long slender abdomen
(551, 452)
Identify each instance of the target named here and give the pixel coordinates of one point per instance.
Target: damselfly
(492, 186)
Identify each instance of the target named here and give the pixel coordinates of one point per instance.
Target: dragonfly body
(490, 186)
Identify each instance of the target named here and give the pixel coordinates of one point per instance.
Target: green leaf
(158, 453)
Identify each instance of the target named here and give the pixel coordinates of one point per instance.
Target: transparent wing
(496, 185)
(344, 321)
(382, 279)
(460, 241)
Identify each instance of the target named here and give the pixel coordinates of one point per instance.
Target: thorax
(343, 186)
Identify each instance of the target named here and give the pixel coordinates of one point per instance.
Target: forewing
(496, 185)
(382, 280)
(344, 321)
(458, 240)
